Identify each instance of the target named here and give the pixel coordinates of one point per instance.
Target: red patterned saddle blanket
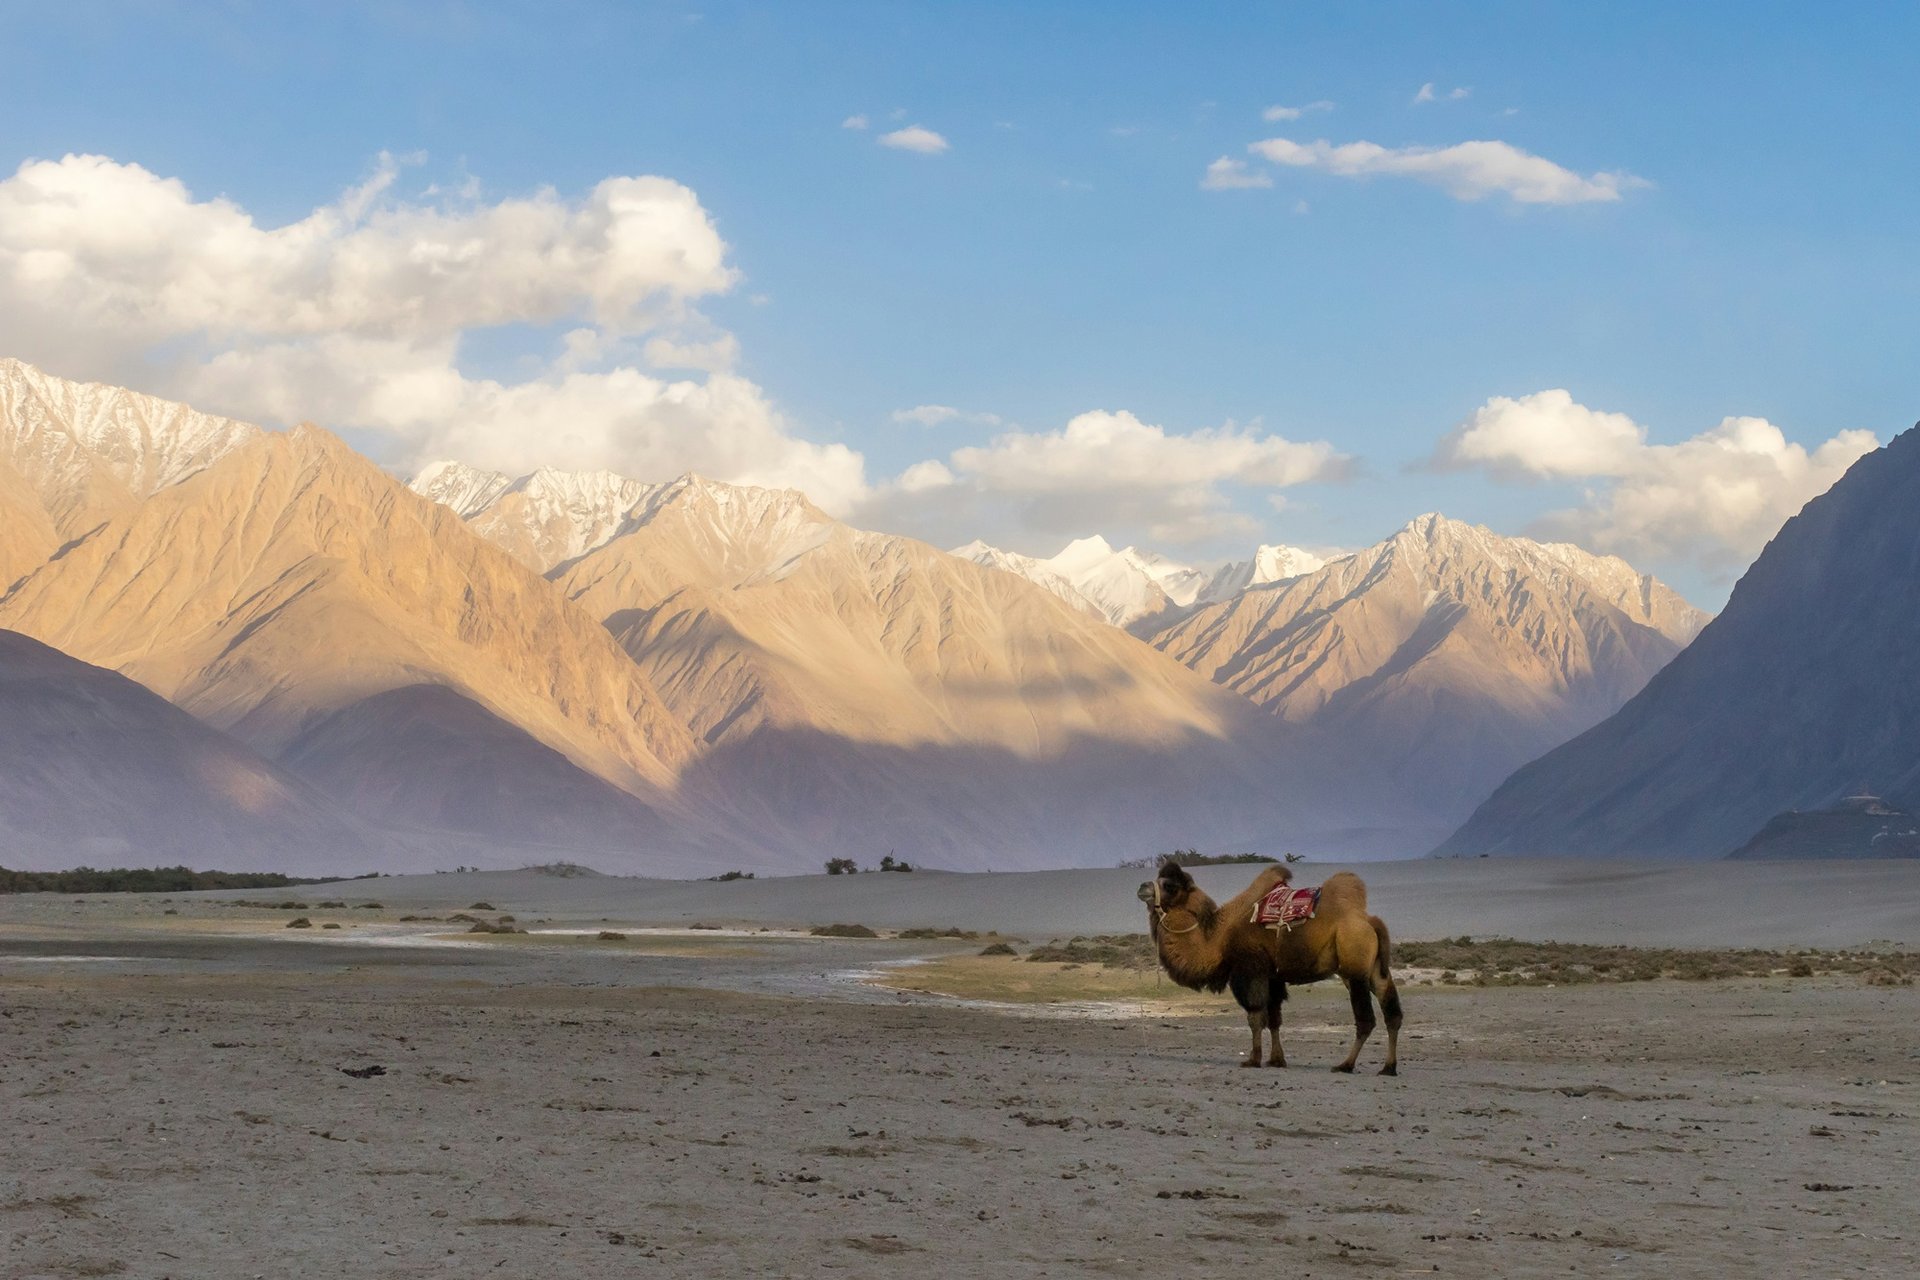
(1286, 906)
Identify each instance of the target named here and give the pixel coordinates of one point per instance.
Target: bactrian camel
(1213, 947)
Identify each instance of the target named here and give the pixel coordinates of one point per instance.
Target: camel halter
(1160, 914)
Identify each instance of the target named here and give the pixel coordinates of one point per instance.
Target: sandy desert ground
(191, 1095)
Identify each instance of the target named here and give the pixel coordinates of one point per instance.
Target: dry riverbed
(197, 1105)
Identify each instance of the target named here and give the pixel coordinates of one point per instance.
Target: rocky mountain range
(1444, 657)
(689, 673)
(1801, 693)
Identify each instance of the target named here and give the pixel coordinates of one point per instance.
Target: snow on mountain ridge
(60, 431)
(1270, 563)
(467, 490)
(549, 517)
(1033, 570)
(750, 529)
(1641, 596)
(1130, 584)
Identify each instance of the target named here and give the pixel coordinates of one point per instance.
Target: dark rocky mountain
(1806, 687)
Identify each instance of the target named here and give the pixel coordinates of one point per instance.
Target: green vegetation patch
(147, 880)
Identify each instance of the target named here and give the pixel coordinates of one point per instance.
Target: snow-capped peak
(1271, 563)
(1125, 585)
(1131, 584)
(1032, 569)
(465, 489)
(1080, 555)
(61, 432)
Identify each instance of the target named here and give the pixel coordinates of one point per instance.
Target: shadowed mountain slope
(1804, 689)
(95, 768)
(425, 756)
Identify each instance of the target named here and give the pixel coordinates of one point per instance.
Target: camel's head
(1169, 889)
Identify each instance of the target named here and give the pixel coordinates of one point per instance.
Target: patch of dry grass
(1011, 980)
(1504, 962)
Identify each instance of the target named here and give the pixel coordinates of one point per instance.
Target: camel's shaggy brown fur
(1211, 947)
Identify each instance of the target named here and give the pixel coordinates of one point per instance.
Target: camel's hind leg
(1276, 996)
(1389, 997)
(1362, 996)
(1251, 994)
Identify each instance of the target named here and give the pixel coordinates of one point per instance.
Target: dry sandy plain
(180, 1101)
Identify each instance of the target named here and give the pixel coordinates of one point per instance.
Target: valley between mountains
(311, 665)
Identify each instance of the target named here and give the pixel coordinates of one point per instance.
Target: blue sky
(1061, 256)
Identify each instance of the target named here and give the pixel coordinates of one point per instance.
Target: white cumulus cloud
(1429, 94)
(354, 316)
(1294, 113)
(914, 138)
(1104, 469)
(854, 122)
(1713, 499)
(1228, 174)
(933, 415)
(1466, 170)
(922, 477)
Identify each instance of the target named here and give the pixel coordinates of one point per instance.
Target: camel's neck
(1189, 940)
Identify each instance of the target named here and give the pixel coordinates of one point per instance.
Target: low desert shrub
(1110, 951)
(843, 931)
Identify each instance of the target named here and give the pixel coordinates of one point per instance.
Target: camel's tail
(1383, 960)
